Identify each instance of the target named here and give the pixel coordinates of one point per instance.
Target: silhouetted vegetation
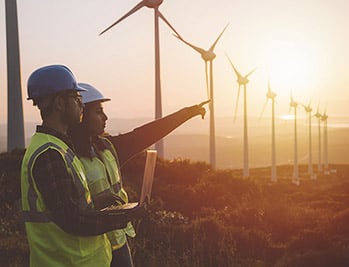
(200, 217)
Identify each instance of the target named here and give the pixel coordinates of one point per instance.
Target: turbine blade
(214, 44)
(264, 107)
(235, 70)
(133, 10)
(198, 49)
(236, 104)
(251, 72)
(166, 21)
(207, 86)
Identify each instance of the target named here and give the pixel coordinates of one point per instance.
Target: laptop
(147, 184)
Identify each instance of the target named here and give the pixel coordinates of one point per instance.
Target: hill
(191, 140)
(201, 217)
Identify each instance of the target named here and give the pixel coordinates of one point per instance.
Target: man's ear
(59, 103)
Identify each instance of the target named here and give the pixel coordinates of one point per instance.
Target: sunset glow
(299, 46)
(292, 65)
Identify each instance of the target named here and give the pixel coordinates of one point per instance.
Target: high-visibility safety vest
(103, 177)
(49, 245)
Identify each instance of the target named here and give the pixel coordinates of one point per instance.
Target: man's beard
(71, 118)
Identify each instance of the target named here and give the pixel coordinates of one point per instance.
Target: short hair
(44, 104)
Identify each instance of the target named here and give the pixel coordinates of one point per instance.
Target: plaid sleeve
(56, 186)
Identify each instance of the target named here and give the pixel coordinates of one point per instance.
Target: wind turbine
(318, 116)
(295, 179)
(208, 56)
(157, 14)
(243, 80)
(271, 95)
(324, 118)
(15, 122)
(308, 111)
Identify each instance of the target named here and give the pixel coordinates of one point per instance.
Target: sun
(291, 66)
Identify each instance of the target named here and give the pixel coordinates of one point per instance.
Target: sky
(301, 47)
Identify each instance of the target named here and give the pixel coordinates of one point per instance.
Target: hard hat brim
(79, 88)
(98, 100)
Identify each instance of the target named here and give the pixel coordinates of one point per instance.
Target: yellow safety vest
(103, 176)
(49, 245)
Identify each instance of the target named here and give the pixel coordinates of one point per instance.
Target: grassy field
(201, 217)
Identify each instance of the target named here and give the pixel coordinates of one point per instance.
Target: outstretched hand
(202, 110)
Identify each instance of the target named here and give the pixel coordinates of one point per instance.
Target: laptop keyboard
(121, 207)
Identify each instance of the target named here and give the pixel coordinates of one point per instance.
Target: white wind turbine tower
(318, 116)
(271, 95)
(308, 111)
(157, 14)
(208, 56)
(295, 178)
(324, 118)
(243, 80)
(15, 122)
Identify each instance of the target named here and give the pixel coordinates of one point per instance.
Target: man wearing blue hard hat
(62, 226)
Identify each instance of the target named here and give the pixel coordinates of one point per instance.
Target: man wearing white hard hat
(103, 155)
(62, 226)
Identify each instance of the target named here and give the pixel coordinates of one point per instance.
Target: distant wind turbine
(295, 179)
(157, 14)
(319, 116)
(243, 80)
(271, 95)
(324, 118)
(308, 110)
(208, 56)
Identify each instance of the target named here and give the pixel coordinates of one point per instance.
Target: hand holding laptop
(133, 209)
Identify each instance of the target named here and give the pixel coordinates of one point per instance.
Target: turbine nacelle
(293, 104)
(323, 117)
(152, 3)
(271, 95)
(307, 109)
(242, 80)
(208, 55)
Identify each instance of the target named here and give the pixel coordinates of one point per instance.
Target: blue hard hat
(50, 80)
(91, 94)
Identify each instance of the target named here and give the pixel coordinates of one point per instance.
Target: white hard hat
(91, 94)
